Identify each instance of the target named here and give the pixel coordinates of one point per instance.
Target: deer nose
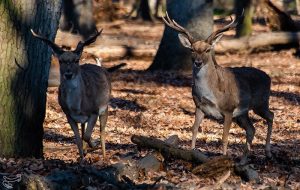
(198, 63)
(68, 75)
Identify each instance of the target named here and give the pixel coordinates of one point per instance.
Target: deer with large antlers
(225, 93)
(84, 92)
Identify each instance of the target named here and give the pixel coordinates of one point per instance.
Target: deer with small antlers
(225, 93)
(84, 92)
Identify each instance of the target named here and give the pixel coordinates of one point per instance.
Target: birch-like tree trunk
(24, 70)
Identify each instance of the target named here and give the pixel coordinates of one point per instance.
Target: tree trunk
(24, 70)
(158, 8)
(298, 6)
(77, 15)
(144, 11)
(244, 28)
(197, 17)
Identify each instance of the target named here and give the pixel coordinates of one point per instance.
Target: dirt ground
(160, 105)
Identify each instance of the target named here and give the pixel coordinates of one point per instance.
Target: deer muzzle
(198, 63)
(68, 75)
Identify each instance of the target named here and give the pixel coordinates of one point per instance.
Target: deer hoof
(92, 144)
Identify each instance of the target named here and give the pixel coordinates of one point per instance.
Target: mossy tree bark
(24, 69)
(197, 17)
(244, 28)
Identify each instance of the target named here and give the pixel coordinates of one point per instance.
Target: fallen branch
(209, 167)
(168, 150)
(278, 20)
(258, 41)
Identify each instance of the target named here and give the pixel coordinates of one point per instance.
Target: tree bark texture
(245, 7)
(209, 166)
(24, 70)
(168, 150)
(197, 17)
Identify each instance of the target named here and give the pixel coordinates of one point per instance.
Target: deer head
(68, 60)
(201, 49)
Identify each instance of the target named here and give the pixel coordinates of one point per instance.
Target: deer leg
(84, 144)
(268, 116)
(88, 132)
(245, 123)
(227, 124)
(198, 118)
(103, 121)
(75, 129)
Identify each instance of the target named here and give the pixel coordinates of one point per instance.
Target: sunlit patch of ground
(160, 105)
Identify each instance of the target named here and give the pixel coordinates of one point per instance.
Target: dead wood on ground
(209, 167)
(258, 41)
(278, 20)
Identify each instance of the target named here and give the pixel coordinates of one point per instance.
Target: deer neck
(206, 80)
(207, 72)
(72, 91)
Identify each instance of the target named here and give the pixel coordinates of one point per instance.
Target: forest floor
(160, 104)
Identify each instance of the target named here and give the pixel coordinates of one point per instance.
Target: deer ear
(185, 41)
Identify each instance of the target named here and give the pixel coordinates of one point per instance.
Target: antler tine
(93, 38)
(230, 26)
(173, 24)
(190, 37)
(170, 23)
(55, 47)
(90, 40)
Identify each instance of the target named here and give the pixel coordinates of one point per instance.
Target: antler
(230, 26)
(217, 33)
(54, 47)
(90, 40)
(173, 24)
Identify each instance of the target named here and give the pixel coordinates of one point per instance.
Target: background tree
(244, 28)
(77, 16)
(197, 17)
(24, 69)
(144, 11)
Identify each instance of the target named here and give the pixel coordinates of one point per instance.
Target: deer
(84, 92)
(227, 93)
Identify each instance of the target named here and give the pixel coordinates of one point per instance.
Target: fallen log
(209, 167)
(258, 41)
(277, 19)
(168, 150)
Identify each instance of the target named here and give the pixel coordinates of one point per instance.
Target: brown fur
(225, 93)
(84, 92)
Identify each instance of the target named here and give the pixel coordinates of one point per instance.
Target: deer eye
(194, 56)
(208, 49)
